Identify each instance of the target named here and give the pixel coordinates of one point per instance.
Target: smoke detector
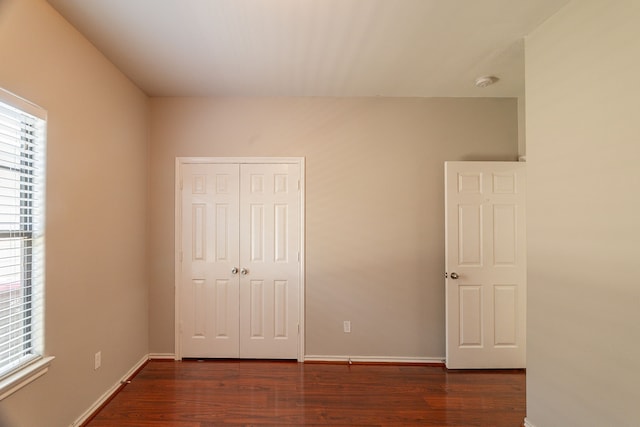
(485, 81)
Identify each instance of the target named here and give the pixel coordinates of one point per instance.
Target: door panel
(471, 318)
(469, 235)
(485, 248)
(208, 289)
(244, 216)
(269, 291)
(505, 305)
(505, 234)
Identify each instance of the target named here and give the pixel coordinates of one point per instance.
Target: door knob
(244, 271)
(234, 270)
(454, 276)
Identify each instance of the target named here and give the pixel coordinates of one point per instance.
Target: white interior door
(269, 236)
(209, 278)
(485, 264)
(239, 286)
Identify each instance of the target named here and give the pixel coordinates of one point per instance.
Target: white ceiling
(417, 48)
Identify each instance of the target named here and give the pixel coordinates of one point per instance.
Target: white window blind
(22, 173)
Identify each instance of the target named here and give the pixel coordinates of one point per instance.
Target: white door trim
(180, 161)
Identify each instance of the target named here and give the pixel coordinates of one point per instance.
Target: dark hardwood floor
(261, 393)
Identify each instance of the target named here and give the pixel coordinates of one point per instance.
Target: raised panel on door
(485, 248)
(269, 291)
(209, 289)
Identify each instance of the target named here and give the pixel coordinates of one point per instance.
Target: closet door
(239, 284)
(209, 280)
(269, 260)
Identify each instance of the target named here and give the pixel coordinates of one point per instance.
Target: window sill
(24, 376)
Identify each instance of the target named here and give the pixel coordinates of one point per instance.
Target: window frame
(30, 368)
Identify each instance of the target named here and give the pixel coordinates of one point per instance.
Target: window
(22, 174)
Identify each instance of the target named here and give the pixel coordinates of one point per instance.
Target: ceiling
(342, 48)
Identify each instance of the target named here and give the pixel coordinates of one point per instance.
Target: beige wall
(96, 283)
(583, 146)
(374, 204)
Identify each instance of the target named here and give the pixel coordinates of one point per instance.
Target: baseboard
(528, 423)
(107, 395)
(162, 356)
(439, 361)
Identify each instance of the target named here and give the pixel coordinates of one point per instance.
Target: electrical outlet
(97, 360)
(347, 326)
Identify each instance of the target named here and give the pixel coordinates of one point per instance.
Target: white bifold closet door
(239, 280)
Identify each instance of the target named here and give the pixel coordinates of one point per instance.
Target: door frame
(180, 161)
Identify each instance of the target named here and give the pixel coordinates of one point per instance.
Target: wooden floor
(260, 393)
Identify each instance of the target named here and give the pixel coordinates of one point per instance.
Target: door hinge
(181, 183)
(298, 185)
(298, 256)
(180, 256)
(298, 328)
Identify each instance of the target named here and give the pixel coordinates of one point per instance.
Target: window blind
(22, 173)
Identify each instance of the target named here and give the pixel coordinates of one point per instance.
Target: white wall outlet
(97, 360)
(347, 326)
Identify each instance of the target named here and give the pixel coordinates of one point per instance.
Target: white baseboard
(162, 356)
(89, 412)
(528, 423)
(373, 359)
